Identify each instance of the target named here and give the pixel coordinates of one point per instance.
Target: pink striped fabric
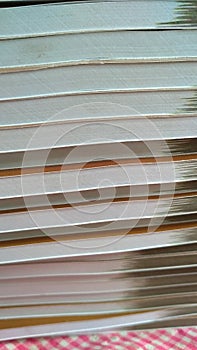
(171, 339)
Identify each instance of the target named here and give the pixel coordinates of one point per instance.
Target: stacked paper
(98, 159)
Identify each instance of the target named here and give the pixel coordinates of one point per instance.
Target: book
(98, 183)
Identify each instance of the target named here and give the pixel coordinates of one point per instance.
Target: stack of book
(98, 160)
